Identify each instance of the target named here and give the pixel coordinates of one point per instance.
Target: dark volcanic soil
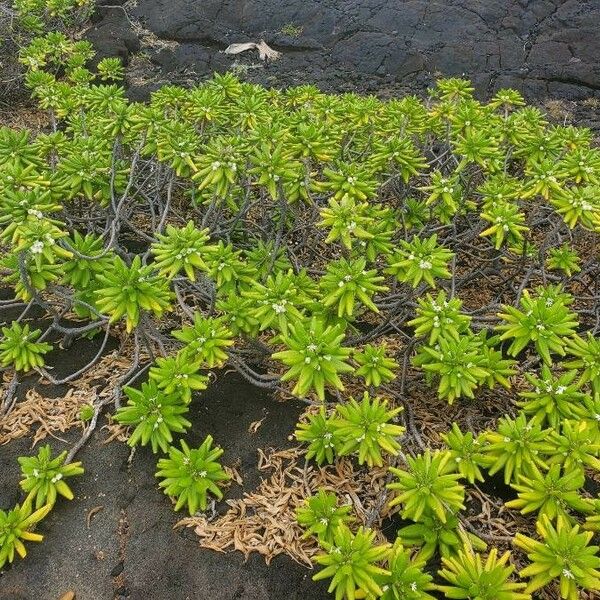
(541, 47)
(129, 550)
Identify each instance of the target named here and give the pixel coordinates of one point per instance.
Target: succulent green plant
(543, 320)
(180, 249)
(552, 494)
(84, 170)
(576, 446)
(266, 258)
(467, 452)
(15, 528)
(408, 579)
(499, 368)
(126, 291)
(428, 487)
(178, 375)
(227, 268)
(564, 553)
(553, 398)
(287, 207)
(507, 224)
(350, 180)
(29, 280)
(350, 560)
(206, 340)
(399, 155)
(237, 314)
(439, 317)
(516, 447)
(321, 515)
(44, 476)
(459, 365)
(154, 414)
(191, 474)
(177, 145)
(365, 428)
(586, 353)
(564, 259)
(444, 195)
(110, 69)
(374, 365)
(420, 260)
(507, 98)
(219, 160)
(578, 205)
(277, 302)
(453, 89)
(315, 357)
(19, 348)
(432, 535)
(581, 164)
(322, 435)
(275, 169)
(347, 220)
(89, 260)
(347, 283)
(471, 577)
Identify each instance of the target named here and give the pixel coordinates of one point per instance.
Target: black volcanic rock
(542, 47)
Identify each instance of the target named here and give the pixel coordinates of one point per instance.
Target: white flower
(37, 247)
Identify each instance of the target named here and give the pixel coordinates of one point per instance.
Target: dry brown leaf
(50, 416)
(92, 512)
(264, 520)
(254, 426)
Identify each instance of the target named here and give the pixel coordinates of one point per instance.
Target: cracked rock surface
(541, 47)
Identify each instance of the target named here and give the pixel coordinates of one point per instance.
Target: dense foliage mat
(396, 264)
